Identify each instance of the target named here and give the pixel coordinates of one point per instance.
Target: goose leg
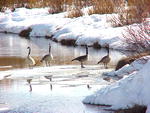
(49, 63)
(29, 82)
(106, 66)
(30, 67)
(30, 87)
(82, 65)
(51, 87)
(46, 64)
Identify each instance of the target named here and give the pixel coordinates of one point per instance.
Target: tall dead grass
(101, 7)
(10, 3)
(74, 12)
(135, 12)
(57, 6)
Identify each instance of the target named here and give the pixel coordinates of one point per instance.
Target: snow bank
(85, 30)
(148, 109)
(132, 89)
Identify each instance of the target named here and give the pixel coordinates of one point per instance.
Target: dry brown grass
(101, 7)
(136, 12)
(75, 12)
(141, 9)
(10, 3)
(56, 6)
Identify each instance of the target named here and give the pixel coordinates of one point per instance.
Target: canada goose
(82, 58)
(106, 59)
(47, 58)
(30, 61)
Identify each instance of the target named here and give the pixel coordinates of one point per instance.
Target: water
(64, 94)
(59, 99)
(13, 51)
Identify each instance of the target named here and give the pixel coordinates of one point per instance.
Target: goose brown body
(83, 58)
(106, 59)
(47, 58)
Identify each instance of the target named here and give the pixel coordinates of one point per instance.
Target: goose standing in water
(30, 61)
(106, 59)
(47, 58)
(83, 58)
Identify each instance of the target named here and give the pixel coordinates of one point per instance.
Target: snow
(130, 90)
(148, 109)
(86, 30)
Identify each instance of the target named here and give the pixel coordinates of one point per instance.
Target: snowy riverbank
(131, 90)
(85, 30)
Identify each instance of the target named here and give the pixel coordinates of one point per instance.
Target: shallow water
(64, 94)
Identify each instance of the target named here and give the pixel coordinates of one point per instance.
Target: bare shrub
(138, 37)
